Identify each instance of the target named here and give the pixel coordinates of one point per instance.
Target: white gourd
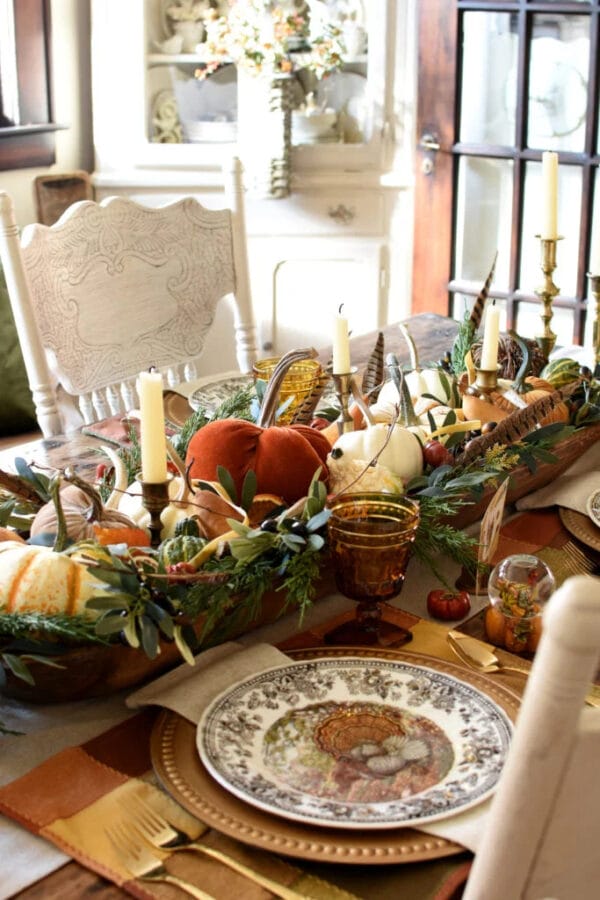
(402, 455)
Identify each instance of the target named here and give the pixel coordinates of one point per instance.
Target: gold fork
(566, 561)
(163, 835)
(141, 862)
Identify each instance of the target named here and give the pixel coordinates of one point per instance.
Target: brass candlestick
(343, 390)
(155, 498)
(595, 286)
(547, 292)
(486, 382)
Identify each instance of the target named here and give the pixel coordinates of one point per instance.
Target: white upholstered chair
(113, 288)
(542, 837)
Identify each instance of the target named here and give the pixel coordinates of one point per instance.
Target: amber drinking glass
(300, 380)
(370, 542)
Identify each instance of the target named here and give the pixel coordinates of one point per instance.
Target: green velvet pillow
(17, 412)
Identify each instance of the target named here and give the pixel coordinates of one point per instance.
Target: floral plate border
(355, 743)
(178, 767)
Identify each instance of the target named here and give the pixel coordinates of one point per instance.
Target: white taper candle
(152, 428)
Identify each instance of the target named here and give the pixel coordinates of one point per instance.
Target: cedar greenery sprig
(58, 628)
(238, 406)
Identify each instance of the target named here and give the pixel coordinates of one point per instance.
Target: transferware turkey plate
(355, 743)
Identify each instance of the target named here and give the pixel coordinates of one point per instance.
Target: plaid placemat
(68, 798)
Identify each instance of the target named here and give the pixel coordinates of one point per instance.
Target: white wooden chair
(113, 288)
(542, 838)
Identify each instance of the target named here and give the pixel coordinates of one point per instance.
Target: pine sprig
(462, 344)
(57, 627)
(237, 406)
(435, 537)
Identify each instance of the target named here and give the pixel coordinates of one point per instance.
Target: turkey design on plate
(355, 743)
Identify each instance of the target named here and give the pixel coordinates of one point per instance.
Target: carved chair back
(116, 287)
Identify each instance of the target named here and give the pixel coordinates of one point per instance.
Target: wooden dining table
(433, 335)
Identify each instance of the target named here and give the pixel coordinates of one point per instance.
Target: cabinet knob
(342, 214)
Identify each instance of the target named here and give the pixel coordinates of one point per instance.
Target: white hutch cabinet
(160, 134)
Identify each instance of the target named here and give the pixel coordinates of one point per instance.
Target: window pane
(462, 303)
(488, 104)
(483, 219)
(530, 325)
(558, 82)
(569, 204)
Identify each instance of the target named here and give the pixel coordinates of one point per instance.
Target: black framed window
(541, 93)
(26, 115)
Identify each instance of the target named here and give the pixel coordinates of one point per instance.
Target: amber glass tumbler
(300, 380)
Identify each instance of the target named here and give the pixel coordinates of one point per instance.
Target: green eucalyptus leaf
(110, 623)
(240, 528)
(18, 667)
(182, 646)
(249, 488)
(166, 626)
(225, 480)
(108, 576)
(293, 542)
(149, 636)
(130, 631)
(317, 521)
(40, 483)
(315, 541)
(104, 602)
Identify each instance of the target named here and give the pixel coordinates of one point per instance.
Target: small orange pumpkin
(8, 534)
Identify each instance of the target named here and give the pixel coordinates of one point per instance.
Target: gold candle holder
(595, 287)
(486, 382)
(343, 390)
(547, 292)
(155, 498)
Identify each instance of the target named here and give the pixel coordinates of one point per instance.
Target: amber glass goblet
(370, 541)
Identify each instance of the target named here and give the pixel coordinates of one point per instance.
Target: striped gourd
(561, 371)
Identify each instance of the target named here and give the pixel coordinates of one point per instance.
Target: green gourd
(179, 549)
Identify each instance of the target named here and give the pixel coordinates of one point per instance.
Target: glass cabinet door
(194, 51)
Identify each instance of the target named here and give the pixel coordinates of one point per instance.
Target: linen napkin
(571, 489)
(188, 691)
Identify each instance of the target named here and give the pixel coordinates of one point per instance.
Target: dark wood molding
(433, 192)
(31, 143)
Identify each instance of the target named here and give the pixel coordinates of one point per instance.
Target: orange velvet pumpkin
(284, 458)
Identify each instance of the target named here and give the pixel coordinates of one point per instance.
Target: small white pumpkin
(403, 454)
(34, 578)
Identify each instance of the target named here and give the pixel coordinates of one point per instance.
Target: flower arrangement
(260, 36)
(188, 10)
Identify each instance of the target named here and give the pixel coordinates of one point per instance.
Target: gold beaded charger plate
(180, 770)
(580, 526)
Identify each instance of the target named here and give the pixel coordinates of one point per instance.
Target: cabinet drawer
(318, 213)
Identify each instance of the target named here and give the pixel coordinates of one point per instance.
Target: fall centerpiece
(245, 531)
